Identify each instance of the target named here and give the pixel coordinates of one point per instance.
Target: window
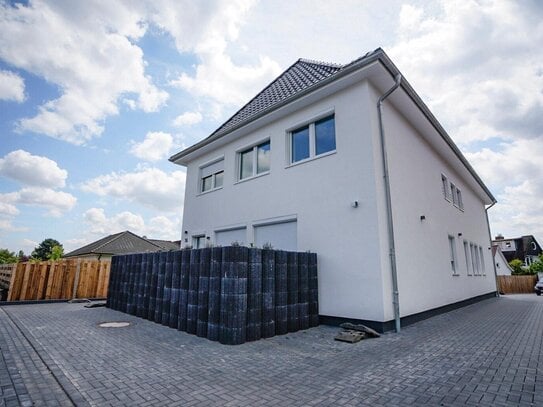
(534, 247)
(459, 199)
(313, 140)
(468, 261)
(473, 260)
(199, 242)
(211, 176)
(445, 187)
(254, 161)
(454, 195)
(482, 260)
(452, 248)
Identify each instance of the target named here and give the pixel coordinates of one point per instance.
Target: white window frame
(445, 187)
(254, 148)
(213, 175)
(483, 271)
(310, 123)
(468, 258)
(459, 201)
(453, 257)
(196, 239)
(454, 195)
(473, 260)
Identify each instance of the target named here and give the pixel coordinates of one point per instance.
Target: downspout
(392, 249)
(493, 261)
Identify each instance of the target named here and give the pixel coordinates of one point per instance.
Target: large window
(211, 176)
(468, 258)
(254, 161)
(313, 139)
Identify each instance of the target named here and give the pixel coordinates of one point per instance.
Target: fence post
(12, 282)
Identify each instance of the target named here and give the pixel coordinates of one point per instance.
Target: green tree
(536, 267)
(44, 249)
(7, 257)
(56, 252)
(516, 265)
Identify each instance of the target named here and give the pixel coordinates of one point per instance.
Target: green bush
(536, 267)
(516, 265)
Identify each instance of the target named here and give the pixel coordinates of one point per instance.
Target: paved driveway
(490, 353)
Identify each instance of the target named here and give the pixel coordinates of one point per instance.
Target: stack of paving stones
(226, 294)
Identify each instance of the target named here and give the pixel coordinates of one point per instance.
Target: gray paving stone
(487, 354)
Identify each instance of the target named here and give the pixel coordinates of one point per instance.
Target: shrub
(516, 265)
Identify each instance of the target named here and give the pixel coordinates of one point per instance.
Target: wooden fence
(6, 270)
(516, 284)
(59, 280)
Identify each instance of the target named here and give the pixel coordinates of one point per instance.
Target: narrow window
(445, 187)
(454, 195)
(325, 135)
(482, 260)
(534, 247)
(452, 248)
(477, 261)
(468, 261)
(246, 164)
(459, 199)
(300, 144)
(473, 260)
(263, 158)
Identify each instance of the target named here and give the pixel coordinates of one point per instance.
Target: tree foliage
(44, 250)
(7, 257)
(56, 253)
(536, 267)
(516, 265)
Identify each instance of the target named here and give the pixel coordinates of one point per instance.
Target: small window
(468, 260)
(459, 201)
(211, 176)
(473, 260)
(452, 248)
(445, 187)
(313, 139)
(199, 242)
(254, 161)
(534, 246)
(508, 245)
(454, 195)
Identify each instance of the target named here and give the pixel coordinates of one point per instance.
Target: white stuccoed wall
(351, 243)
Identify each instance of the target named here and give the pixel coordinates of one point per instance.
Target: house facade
(525, 248)
(395, 213)
(502, 265)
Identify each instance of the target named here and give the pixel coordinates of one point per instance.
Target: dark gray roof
(299, 76)
(166, 244)
(119, 243)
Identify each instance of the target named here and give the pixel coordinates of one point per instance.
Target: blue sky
(95, 96)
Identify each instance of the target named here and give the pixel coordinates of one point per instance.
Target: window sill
(305, 160)
(456, 275)
(209, 191)
(252, 177)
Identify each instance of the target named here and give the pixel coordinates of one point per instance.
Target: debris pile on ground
(353, 333)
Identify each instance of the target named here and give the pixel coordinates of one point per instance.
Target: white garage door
(282, 236)
(227, 237)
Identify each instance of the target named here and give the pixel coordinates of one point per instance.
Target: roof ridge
(323, 63)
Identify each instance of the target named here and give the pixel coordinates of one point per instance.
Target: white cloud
(32, 170)
(91, 59)
(477, 65)
(160, 227)
(56, 202)
(151, 187)
(7, 209)
(12, 87)
(7, 226)
(187, 119)
(156, 146)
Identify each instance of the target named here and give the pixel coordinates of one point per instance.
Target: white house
(502, 266)
(348, 162)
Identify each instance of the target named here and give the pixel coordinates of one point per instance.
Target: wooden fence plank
(516, 284)
(16, 282)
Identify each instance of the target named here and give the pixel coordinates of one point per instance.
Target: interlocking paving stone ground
(486, 354)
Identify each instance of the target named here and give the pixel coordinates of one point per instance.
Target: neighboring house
(303, 166)
(502, 265)
(121, 243)
(525, 248)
